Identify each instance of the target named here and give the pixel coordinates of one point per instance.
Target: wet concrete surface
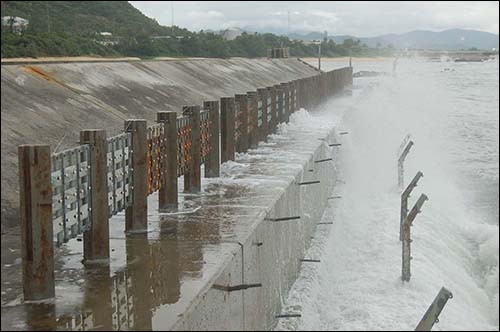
(51, 103)
(172, 276)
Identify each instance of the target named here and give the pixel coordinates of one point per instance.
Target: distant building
(311, 42)
(107, 39)
(16, 23)
(166, 37)
(278, 52)
(231, 33)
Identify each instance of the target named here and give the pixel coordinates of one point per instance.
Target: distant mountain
(454, 39)
(307, 36)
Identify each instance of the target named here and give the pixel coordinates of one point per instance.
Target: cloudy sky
(362, 19)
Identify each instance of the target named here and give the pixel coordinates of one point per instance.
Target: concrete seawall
(269, 252)
(51, 103)
(190, 271)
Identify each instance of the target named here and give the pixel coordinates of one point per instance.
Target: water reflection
(126, 300)
(153, 270)
(41, 316)
(135, 296)
(80, 322)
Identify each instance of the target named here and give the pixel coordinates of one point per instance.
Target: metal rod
(78, 192)
(334, 197)
(306, 183)
(401, 165)
(284, 218)
(404, 201)
(63, 196)
(431, 316)
(335, 144)
(406, 151)
(319, 56)
(113, 171)
(406, 247)
(323, 160)
(325, 223)
(305, 260)
(416, 208)
(235, 288)
(288, 316)
(403, 143)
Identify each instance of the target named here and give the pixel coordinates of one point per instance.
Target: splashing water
(452, 116)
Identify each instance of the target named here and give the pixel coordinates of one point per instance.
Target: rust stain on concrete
(37, 71)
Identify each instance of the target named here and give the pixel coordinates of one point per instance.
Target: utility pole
(318, 42)
(48, 16)
(172, 14)
(11, 24)
(288, 26)
(319, 56)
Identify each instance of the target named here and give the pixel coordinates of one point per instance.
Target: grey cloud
(364, 18)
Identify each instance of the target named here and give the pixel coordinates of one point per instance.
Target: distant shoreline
(346, 59)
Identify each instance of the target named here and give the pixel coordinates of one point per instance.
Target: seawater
(451, 111)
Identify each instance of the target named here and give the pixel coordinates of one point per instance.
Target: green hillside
(81, 17)
(73, 28)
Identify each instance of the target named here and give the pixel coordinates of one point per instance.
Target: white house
(18, 24)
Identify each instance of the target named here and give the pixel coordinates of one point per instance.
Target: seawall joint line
(235, 288)
(284, 218)
(309, 182)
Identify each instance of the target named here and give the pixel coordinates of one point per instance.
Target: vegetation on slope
(73, 28)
